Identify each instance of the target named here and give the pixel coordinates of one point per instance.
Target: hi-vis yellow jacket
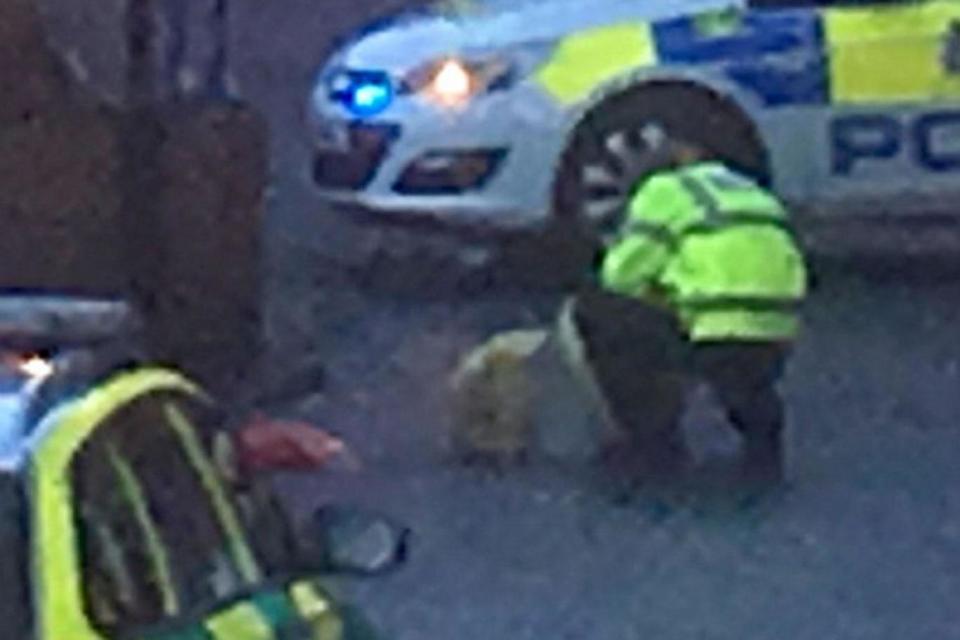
(118, 523)
(718, 247)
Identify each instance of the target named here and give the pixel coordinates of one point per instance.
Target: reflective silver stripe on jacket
(658, 233)
(716, 219)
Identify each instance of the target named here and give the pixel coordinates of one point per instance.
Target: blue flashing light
(370, 98)
(363, 93)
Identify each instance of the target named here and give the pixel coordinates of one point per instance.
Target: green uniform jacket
(717, 248)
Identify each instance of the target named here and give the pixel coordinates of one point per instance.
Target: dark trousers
(744, 376)
(644, 365)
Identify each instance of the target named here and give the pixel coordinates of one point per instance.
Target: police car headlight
(453, 83)
(455, 80)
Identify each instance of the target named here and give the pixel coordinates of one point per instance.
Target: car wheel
(615, 148)
(607, 162)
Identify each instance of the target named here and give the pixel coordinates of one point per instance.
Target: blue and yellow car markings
(790, 57)
(584, 61)
(889, 54)
(776, 55)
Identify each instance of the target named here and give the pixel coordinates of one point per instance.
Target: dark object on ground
(358, 542)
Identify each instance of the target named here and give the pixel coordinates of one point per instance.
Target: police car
(525, 112)
(120, 518)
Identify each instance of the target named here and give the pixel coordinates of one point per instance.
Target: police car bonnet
(401, 43)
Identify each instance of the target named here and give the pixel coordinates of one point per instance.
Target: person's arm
(633, 263)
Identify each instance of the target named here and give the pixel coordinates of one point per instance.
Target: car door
(892, 134)
(163, 552)
(769, 56)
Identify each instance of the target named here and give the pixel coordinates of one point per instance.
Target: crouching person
(704, 279)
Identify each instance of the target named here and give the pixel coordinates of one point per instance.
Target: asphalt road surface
(866, 545)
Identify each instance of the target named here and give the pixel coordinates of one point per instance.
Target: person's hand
(657, 297)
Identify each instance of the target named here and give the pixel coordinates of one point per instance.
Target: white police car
(516, 113)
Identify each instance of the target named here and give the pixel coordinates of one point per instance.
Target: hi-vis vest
(718, 247)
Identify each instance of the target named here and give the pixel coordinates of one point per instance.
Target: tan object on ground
(493, 398)
(529, 392)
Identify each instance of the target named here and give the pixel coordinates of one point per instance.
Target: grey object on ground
(570, 415)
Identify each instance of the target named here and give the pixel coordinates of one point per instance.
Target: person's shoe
(762, 462)
(662, 461)
(761, 475)
(658, 476)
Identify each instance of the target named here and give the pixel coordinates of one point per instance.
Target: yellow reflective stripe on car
(316, 609)
(59, 595)
(133, 491)
(890, 53)
(226, 513)
(241, 622)
(582, 62)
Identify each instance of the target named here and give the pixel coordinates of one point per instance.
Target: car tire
(610, 153)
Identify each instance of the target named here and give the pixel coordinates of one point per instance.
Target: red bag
(265, 444)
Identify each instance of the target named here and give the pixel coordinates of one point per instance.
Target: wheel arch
(733, 103)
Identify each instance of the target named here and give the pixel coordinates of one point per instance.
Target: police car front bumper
(486, 164)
